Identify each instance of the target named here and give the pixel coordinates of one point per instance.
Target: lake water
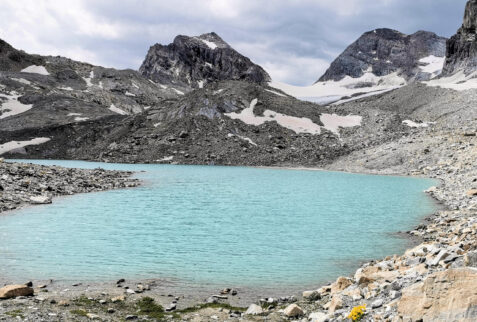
(231, 226)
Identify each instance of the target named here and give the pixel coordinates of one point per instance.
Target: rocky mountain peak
(461, 52)
(385, 51)
(195, 61)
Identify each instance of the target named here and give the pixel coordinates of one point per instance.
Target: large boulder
(293, 311)
(11, 291)
(444, 296)
(254, 309)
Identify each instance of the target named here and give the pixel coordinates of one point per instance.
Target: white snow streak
(114, 109)
(12, 106)
(14, 145)
(33, 69)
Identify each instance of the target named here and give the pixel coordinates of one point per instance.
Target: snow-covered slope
(344, 90)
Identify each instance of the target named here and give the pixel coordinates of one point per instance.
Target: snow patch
(74, 114)
(230, 135)
(201, 84)
(135, 85)
(12, 106)
(415, 124)
(34, 69)
(209, 44)
(346, 88)
(169, 158)
(459, 81)
(130, 94)
(296, 124)
(218, 91)
(433, 65)
(276, 93)
(81, 119)
(88, 79)
(65, 88)
(114, 109)
(14, 145)
(332, 122)
(178, 91)
(22, 80)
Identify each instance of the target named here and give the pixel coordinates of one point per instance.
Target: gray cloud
(293, 40)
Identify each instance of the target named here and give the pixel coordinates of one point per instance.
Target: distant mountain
(386, 51)
(195, 61)
(462, 47)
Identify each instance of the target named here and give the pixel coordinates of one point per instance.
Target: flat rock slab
(11, 291)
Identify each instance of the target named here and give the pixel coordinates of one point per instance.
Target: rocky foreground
(28, 184)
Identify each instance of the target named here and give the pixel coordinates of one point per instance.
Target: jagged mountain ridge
(385, 51)
(462, 47)
(195, 61)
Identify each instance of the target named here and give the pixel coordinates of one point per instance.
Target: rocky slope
(195, 61)
(462, 47)
(386, 51)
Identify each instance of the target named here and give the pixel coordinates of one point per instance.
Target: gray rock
(376, 304)
(195, 61)
(386, 51)
(254, 309)
(470, 259)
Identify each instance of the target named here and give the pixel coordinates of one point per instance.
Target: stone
(472, 193)
(131, 317)
(372, 274)
(311, 295)
(470, 259)
(441, 256)
(111, 310)
(171, 307)
(341, 284)
(445, 296)
(318, 317)
(376, 304)
(335, 304)
(40, 200)
(254, 309)
(293, 311)
(92, 316)
(120, 281)
(64, 303)
(12, 291)
(120, 298)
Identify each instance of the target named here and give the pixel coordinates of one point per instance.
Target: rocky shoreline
(23, 184)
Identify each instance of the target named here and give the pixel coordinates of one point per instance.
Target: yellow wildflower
(357, 313)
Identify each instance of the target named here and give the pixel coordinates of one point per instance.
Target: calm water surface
(239, 226)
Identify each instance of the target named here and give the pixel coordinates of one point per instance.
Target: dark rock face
(386, 51)
(15, 60)
(462, 47)
(194, 61)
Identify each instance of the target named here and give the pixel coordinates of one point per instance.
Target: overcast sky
(294, 40)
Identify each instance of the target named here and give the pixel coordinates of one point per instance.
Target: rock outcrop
(461, 52)
(194, 61)
(444, 296)
(385, 51)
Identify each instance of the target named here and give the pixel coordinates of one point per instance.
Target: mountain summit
(462, 47)
(195, 61)
(385, 51)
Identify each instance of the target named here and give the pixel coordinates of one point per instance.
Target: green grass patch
(214, 306)
(15, 313)
(79, 312)
(147, 306)
(83, 301)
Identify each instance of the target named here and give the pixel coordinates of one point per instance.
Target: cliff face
(385, 51)
(195, 61)
(462, 47)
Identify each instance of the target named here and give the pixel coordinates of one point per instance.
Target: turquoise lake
(231, 226)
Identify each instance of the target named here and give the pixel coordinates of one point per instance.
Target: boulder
(470, 259)
(311, 295)
(335, 304)
(40, 200)
(341, 284)
(293, 311)
(318, 317)
(254, 309)
(443, 296)
(12, 291)
(372, 274)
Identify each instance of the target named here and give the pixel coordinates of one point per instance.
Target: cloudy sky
(294, 40)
